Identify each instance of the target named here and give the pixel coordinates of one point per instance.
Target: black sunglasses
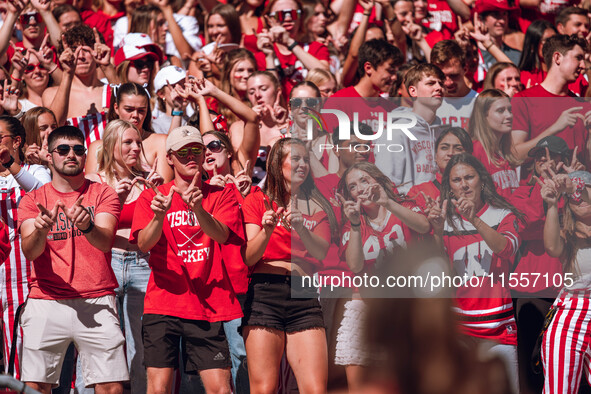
(141, 63)
(310, 102)
(64, 149)
(215, 146)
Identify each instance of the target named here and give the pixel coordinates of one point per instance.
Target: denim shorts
(270, 303)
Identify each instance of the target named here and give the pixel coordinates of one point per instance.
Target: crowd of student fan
(161, 199)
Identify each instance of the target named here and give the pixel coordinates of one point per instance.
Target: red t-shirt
(284, 245)
(441, 18)
(70, 267)
(293, 69)
(231, 254)
(535, 109)
(332, 264)
(536, 77)
(358, 16)
(188, 278)
(102, 24)
(547, 10)
(505, 177)
(368, 109)
(485, 311)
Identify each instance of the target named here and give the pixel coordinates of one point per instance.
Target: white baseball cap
(142, 40)
(168, 75)
(130, 52)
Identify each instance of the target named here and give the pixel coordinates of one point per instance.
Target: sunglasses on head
(310, 102)
(30, 18)
(29, 68)
(215, 146)
(64, 149)
(195, 150)
(281, 16)
(140, 64)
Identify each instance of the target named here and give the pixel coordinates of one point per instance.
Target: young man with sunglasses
(186, 224)
(67, 229)
(33, 23)
(281, 53)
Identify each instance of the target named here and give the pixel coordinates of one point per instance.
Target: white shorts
(351, 348)
(92, 324)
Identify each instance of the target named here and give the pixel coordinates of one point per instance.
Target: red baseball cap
(130, 52)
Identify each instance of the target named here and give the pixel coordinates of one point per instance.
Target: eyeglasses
(30, 18)
(195, 150)
(140, 64)
(215, 146)
(6, 135)
(29, 68)
(282, 15)
(64, 149)
(310, 102)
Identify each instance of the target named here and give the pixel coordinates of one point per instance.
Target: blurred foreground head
(416, 334)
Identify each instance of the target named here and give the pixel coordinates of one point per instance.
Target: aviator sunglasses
(64, 149)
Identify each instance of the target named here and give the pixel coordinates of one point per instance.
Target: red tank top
(126, 216)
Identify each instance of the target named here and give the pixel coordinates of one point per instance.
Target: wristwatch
(8, 163)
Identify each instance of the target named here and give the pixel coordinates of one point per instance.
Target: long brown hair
(31, 124)
(276, 187)
(479, 129)
(569, 234)
(488, 195)
(230, 16)
(374, 172)
(234, 57)
(142, 17)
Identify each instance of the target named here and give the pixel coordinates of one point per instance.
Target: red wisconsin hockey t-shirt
(188, 278)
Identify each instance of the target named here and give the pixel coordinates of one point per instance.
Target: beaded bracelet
(579, 186)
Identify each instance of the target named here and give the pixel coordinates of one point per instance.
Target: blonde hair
(480, 131)
(111, 141)
(318, 76)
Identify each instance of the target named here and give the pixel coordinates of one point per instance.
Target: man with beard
(67, 229)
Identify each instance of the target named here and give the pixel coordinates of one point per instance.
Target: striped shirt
(93, 124)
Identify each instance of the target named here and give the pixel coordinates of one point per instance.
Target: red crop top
(284, 245)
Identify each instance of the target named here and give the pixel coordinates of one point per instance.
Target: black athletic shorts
(203, 344)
